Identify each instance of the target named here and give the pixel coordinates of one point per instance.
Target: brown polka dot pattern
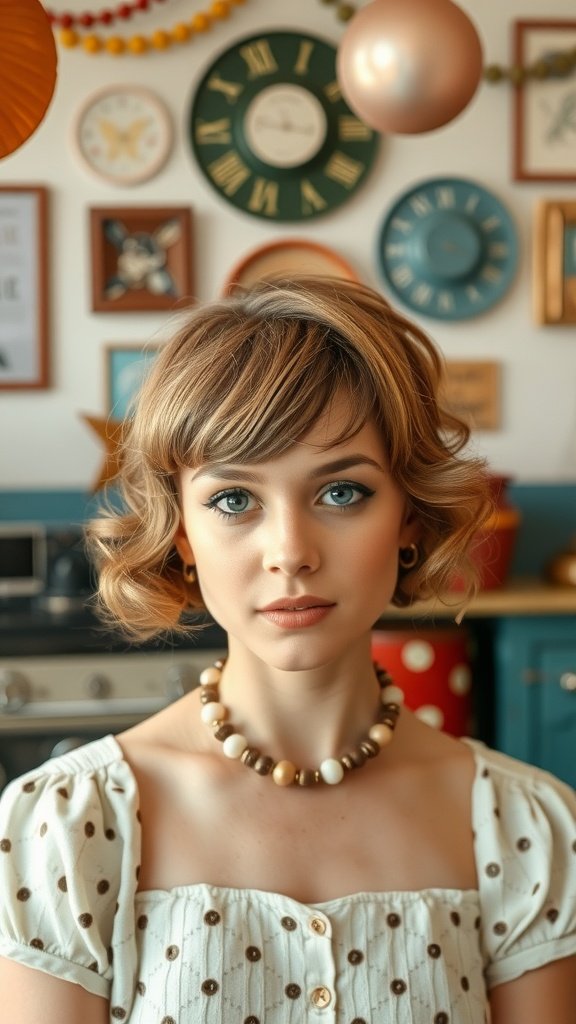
(37, 943)
(393, 920)
(142, 922)
(23, 894)
(85, 920)
(102, 887)
(552, 914)
(289, 924)
(358, 1020)
(523, 844)
(398, 986)
(355, 957)
(43, 829)
(492, 870)
(251, 1019)
(93, 967)
(172, 953)
(465, 984)
(209, 987)
(500, 928)
(62, 884)
(211, 917)
(28, 787)
(141, 988)
(253, 954)
(110, 834)
(293, 991)
(5, 845)
(89, 829)
(455, 918)
(63, 792)
(441, 1018)
(434, 950)
(118, 1013)
(167, 1020)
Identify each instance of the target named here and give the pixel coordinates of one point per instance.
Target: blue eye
(341, 495)
(231, 503)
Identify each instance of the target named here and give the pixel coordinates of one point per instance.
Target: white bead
(392, 695)
(212, 712)
(235, 745)
(331, 771)
(210, 675)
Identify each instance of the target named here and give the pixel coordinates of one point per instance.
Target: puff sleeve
(524, 823)
(69, 848)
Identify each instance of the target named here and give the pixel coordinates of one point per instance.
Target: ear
(411, 528)
(182, 545)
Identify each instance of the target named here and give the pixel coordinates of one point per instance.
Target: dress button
(321, 997)
(318, 925)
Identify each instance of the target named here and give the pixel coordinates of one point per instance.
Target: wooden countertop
(518, 597)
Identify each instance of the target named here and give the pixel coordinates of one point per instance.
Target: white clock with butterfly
(123, 134)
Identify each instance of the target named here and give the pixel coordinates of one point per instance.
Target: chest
(310, 845)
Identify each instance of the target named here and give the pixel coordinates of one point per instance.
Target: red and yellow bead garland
(105, 16)
(284, 773)
(161, 39)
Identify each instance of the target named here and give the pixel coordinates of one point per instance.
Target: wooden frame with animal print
(141, 258)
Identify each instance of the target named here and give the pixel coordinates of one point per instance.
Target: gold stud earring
(189, 573)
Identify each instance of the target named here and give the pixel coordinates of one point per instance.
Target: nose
(290, 545)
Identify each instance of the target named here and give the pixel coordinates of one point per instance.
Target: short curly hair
(241, 380)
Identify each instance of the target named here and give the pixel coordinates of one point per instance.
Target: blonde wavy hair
(241, 380)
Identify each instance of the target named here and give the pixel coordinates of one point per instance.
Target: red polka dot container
(433, 668)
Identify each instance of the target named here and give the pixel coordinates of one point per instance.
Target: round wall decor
(448, 248)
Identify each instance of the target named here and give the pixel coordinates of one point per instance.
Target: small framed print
(544, 125)
(555, 262)
(141, 258)
(23, 287)
(471, 390)
(126, 367)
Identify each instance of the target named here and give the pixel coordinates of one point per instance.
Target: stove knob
(179, 680)
(97, 686)
(14, 690)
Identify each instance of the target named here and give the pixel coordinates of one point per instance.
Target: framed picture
(23, 287)
(544, 124)
(472, 392)
(141, 258)
(555, 262)
(125, 369)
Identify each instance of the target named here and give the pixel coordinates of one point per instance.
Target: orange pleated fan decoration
(27, 70)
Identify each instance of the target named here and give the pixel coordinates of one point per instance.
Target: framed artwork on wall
(555, 262)
(126, 366)
(141, 258)
(472, 392)
(23, 287)
(544, 125)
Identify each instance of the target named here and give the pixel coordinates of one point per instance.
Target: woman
(285, 843)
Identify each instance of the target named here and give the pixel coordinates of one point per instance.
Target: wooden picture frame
(23, 287)
(141, 258)
(471, 390)
(555, 262)
(544, 134)
(125, 366)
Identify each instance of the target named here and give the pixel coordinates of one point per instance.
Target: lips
(292, 604)
(297, 613)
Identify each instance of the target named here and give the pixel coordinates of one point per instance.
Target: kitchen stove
(65, 680)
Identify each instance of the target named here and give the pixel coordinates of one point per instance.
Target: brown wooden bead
(224, 731)
(393, 709)
(369, 747)
(358, 757)
(386, 720)
(250, 756)
(208, 694)
(264, 765)
(307, 777)
(347, 762)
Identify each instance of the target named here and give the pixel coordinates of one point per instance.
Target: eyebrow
(239, 472)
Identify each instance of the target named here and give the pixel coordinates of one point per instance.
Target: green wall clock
(448, 248)
(270, 131)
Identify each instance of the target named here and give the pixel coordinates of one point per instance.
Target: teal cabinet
(535, 691)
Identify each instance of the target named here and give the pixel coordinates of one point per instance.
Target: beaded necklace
(161, 39)
(284, 773)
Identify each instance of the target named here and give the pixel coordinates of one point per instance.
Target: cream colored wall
(43, 444)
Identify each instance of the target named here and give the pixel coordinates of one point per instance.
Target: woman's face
(297, 556)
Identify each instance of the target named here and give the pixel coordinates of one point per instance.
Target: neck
(304, 716)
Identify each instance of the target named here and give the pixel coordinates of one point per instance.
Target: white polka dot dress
(199, 954)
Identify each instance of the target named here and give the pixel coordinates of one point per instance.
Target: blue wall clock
(448, 248)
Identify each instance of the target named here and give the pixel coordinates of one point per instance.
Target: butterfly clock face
(123, 134)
